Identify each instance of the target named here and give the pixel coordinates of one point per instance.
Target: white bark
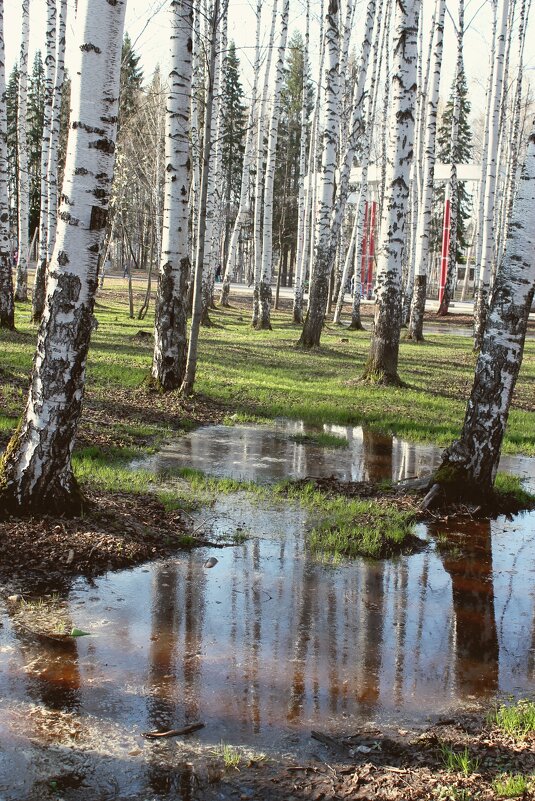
(319, 289)
(198, 276)
(454, 183)
(260, 151)
(269, 179)
(7, 318)
(55, 129)
(21, 289)
(475, 456)
(38, 299)
(426, 210)
(37, 470)
(487, 254)
(169, 361)
(243, 207)
(301, 205)
(356, 128)
(383, 361)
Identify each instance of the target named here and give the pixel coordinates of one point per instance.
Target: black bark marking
(99, 218)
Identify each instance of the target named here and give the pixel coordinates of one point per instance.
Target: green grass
(322, 439)
(511, 786)
(352, 527)
(260, 375)
(512, 486)
(517, 720)
(231, 756)
(458, 761)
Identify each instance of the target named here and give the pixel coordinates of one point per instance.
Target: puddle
(268, 454)
(268, 644)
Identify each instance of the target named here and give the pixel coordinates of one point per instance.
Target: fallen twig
(152, 735)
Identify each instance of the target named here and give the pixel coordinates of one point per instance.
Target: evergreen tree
(34, 133)
(289, 144)
(462, 155)
(234, 122)
(131, 81)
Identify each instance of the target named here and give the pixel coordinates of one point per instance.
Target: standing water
(271, 642)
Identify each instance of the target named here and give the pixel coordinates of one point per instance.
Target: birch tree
(264, 289)
(36, 471)
(297, 306)
(38, 298)
(382, 364)
(198, 276)
(7, 312)
(246, 170)
(21, 288)
(487, 238)
(319, 290)
(169, 362)
(454, 154)
(55, 130)
(470, 464)
(423, 230)
(259, 171)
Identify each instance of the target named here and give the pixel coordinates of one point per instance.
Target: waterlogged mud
(266, 645)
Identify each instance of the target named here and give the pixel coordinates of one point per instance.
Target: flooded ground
(270, 642)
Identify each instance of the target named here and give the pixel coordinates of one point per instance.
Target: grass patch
(322, 439)
(458, 761)
(517, 720)
(261, 375)
(509, 486)
(109, 469)
(231, 756)
(353, 527)
(511, 786)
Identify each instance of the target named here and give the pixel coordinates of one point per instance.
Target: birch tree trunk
(243, 207)
(454, 183)
(297, 306)
(169, 361)
(487, 238)
(264, 295)
(423, 231)
(198, 277)
(55, 130)
(258, 195)
(38, 297)
(303, 260)
(469, 465)
(36, 472)
(21, 287)
(382, 366)
(310, 336)
(7, 310)
(356, 127)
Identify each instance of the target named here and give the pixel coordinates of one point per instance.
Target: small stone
(15, 598)
(211, 562)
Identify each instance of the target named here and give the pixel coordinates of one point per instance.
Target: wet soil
(117, 530)
(372, 764)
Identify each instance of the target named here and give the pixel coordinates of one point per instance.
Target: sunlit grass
(511, 785)
(260, 375)
(517, 720)
(458, 761)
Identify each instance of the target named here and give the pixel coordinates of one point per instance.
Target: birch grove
(36, 469)
(343, 175)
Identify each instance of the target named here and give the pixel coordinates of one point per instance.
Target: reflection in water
(271, 643)
(467, 556)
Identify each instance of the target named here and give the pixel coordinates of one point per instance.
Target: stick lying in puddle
(152, 735)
